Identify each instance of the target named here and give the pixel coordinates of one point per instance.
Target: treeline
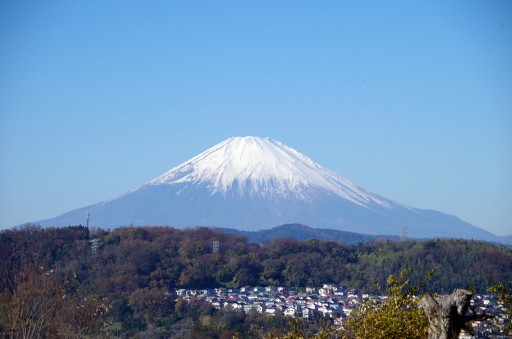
(123, 276)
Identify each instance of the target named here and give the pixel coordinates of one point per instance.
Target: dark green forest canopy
(138, 257)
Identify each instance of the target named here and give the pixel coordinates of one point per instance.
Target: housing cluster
(336, 302)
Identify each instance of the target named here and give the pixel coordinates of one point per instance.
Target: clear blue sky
(411, 99)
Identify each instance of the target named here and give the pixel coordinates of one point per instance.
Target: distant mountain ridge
(303, 232)
(251, 183)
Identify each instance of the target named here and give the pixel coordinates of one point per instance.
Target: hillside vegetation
(122, 276)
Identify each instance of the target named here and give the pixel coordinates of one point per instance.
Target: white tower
(403, 234)
(216, 246)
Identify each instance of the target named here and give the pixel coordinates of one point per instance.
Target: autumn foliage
(73, 282)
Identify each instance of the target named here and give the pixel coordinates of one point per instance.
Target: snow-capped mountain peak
(253, 165)
(252, 183)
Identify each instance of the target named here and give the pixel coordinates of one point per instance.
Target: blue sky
(411, 99)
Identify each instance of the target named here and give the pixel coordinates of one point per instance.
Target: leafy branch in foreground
(398, 316)
(504, 294)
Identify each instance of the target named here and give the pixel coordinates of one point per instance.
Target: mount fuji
(251, 183)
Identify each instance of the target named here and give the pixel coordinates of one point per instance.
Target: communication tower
(88, 218)
(403, 234)
(216, 246)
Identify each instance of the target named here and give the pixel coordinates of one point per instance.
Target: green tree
(504, 294)
(398, 316)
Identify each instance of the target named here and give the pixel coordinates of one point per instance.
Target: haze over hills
(302, 232)
(251, 183)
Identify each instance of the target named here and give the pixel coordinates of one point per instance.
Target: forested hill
(302, 232)
(125, 259)
(77, 283)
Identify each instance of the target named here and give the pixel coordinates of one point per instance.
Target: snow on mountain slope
(262, 166)
(251, 183)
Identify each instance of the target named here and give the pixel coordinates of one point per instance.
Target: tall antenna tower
(403, 234)
(216, 246)
(88, 218)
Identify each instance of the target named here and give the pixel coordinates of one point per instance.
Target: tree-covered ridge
(132, 257)
(129, 272)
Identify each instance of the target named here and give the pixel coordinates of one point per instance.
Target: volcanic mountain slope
(252, 183)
